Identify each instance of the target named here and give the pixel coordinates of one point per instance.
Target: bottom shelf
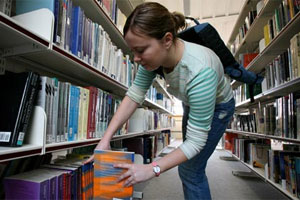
(261, 173)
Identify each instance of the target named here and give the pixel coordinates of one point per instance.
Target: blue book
(76, 111)
(81, 29)
(71, 114)
(56, 17)
(76, 12)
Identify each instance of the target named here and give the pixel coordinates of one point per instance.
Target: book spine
(27, 110)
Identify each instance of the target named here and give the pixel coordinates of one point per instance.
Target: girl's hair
(154, 20)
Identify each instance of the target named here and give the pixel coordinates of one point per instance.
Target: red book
(90, 113)
(248, 57)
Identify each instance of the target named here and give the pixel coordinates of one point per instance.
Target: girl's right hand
(102, 145)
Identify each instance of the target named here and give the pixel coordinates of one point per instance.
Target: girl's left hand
(136, 173)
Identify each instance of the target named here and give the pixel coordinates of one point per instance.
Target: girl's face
(149, 52)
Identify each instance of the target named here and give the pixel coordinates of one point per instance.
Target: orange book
(105, 175)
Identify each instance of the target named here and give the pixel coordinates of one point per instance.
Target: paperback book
(106, 175)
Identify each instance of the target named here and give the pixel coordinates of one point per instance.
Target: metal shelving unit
(277, 46)
(260, 173)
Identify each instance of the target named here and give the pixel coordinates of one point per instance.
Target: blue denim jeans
(192, 172)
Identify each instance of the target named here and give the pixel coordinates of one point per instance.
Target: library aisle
(223, 185)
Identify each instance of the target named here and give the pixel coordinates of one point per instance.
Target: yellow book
(86, 100)
(266, 34)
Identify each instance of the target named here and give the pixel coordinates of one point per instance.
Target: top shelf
(277, 46)
(23, 46)
(95, 12)
(247, 7)
(256, 32)
(35, 52)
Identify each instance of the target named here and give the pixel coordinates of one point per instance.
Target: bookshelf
(278, 45)
(260, 173)
(22, 48)
(271, 94)
(249, 43)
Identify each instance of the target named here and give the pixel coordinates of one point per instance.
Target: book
(35, 184)
(21, 91)
(5, 7)
(105, 175)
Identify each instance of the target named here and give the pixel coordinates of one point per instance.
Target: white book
(5, 7)
(97, 114)
(80, 115)
(100, 46)
(55, 136)
(138, 121)
(93, 47)
(86, 100)
(118, 64)
(48, 110)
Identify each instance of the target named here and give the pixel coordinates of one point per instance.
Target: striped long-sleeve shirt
(199, 81)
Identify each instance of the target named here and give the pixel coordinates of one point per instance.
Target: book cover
(105, 175)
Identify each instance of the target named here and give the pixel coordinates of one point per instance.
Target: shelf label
(276, 145)
(5, 136)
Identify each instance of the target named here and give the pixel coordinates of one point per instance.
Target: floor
(223, 185)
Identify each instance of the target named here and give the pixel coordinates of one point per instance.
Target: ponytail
(179, 20)
(154, 20)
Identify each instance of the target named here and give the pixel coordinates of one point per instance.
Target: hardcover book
(106, 175)
(35, 184)
(20, 91)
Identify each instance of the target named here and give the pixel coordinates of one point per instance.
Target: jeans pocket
(222, 114)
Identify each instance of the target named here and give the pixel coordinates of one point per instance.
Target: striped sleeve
(141, 84)
(201, 93)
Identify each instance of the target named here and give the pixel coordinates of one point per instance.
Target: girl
(195, 76)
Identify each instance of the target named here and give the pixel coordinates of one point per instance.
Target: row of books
(159, 98)
(281, 70)
(279, 118)
(68, 177)
(283, 14)
(249, 19)
(64, 179)
(73, 112)
(112, 10)
(279, 166)
(79, 35)
(110, 7)
(144, 119)
(6, 6)
(76, 113)
(285, 67)
(242, 92)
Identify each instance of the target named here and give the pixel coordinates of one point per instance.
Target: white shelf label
(276, 145)
(5, 136)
